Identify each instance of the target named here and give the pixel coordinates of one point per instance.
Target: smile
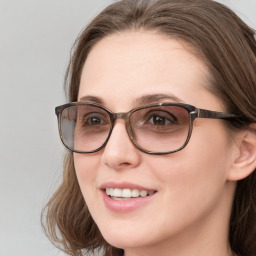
(127, 193)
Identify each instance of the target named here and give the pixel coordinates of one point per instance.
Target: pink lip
(123, 206)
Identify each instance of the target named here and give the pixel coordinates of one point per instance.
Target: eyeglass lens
(156, 129)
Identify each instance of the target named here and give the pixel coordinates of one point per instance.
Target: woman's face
(191, 197)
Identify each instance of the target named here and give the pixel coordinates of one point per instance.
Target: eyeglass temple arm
(57, 110)
(203, 113)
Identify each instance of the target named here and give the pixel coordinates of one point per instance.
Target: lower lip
(125, 205)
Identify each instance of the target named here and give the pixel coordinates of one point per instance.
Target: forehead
(129, 65)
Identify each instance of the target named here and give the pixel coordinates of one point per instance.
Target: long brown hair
(228, 47)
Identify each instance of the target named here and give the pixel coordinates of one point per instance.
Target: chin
(122, 239)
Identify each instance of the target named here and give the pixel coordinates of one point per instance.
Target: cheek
(86, 167)
(195, 177)
(208, 151)
(205, 155)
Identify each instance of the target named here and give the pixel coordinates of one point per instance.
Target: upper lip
(124, 185)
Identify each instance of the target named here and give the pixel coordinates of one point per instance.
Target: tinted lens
(84, 128)
(160, 129)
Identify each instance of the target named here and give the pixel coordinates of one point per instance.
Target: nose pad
(119, 151)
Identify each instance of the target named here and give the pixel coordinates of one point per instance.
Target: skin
(190, 212)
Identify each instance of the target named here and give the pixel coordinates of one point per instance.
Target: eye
(94, 119)
(159, 120)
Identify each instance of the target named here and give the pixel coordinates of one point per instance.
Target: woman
(137, 180)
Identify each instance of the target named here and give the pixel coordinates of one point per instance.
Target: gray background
(35, 41)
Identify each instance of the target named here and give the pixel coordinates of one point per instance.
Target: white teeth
(108, 191)
(135, 193)
(126, 192)
(118, 194)
(143, 193)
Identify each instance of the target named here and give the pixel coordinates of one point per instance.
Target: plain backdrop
(35, 41)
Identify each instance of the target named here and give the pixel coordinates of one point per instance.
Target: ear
(244, 160)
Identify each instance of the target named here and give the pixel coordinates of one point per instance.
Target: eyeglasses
(161, 128)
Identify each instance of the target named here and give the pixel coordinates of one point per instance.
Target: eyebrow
(143, 100)
(155, 98)
(92, 99)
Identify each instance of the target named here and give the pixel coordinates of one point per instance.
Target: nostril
(125, 163)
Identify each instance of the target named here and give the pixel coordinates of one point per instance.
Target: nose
(120, 153)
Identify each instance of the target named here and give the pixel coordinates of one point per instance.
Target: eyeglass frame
(193, 113)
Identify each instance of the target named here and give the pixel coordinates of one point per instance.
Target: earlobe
(244, 163)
